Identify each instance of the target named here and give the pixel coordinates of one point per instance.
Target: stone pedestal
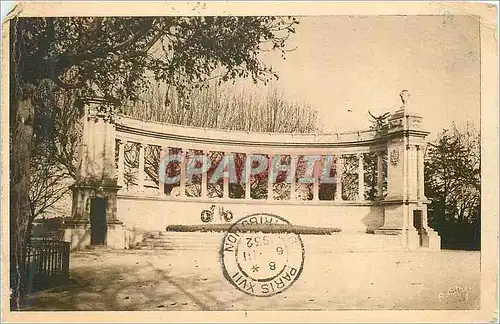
(430, 238)
(412, 239)
(393, 220)
(116, 235)
(77, 232)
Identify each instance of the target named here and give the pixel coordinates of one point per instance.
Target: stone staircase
(337, 242)
(180, 241)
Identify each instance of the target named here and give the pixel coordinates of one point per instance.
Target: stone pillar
(182, 166)
(338, 170)
(248, 166)
(204, 177)
(412, 173)
(141, 173)
(396, 211)
(316, 173)
(121, 162)
(380, 176)
(270, 192)
(96, 180)
(225, 184)
(293, 173)
(161, 185)
(401, 206)
(361, 178)
(420, 173)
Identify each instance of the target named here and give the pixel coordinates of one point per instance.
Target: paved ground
(192, 280)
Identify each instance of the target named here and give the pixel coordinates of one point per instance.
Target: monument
(105, 212)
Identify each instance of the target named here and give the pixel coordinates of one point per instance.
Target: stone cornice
(147, 129)
(365, 203)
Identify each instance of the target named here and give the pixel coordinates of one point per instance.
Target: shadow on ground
(193, 280)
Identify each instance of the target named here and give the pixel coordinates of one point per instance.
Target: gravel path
(193, 280)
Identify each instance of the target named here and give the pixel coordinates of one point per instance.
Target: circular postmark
(258, 261)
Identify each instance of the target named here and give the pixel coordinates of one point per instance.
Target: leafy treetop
(116, 57)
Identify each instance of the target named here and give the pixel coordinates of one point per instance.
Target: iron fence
(47, 263)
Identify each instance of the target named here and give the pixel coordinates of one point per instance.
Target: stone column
(338, 170)
(141, 174)
(161, 185)
(270, 193)
(316, 180)
(204, 177)
(406, 214)
(380, 176)
(395, 210)
(293, 171)
(225, 185)
(96, 180)
(248, 167)
(121, 162)
(409, 173)
(420, 173)
(361, 178)
(412, 172)
(182, 179)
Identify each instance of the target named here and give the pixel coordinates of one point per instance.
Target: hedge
(264, 228)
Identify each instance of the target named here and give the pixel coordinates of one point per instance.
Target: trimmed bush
(264, 228)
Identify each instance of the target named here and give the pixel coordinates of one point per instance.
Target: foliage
(53, 163)
(453, 184)
(112, 56)
(223, 108)
(370, 163)
(257, 228)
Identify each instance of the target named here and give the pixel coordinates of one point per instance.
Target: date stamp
(258, 261)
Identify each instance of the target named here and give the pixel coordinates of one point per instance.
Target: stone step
(153, 248)
(312, 243)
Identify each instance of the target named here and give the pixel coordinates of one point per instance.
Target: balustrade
(245, 180)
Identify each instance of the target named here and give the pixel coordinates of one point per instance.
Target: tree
(53, 162)
(220, 107)
(115, 58)
(453, 184)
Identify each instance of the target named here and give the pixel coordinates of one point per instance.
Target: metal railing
(47, 263)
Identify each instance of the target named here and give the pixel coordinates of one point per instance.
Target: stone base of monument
(411, 239)
(79, 232)
(335, 242)
(431, 239)
(115, 237)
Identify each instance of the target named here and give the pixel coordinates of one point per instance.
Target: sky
(345, 66)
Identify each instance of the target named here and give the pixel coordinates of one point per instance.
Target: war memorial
(107, 210)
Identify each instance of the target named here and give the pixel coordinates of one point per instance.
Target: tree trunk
(21, 131)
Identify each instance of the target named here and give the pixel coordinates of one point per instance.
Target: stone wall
(140, 215)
